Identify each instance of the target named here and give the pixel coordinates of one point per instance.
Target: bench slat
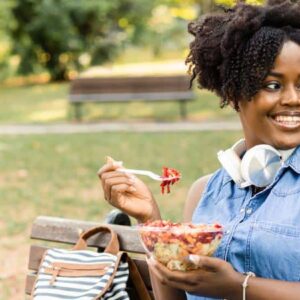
(67, 231)
(114, 97)
(37, 252)
(30, 279)
(148, 84)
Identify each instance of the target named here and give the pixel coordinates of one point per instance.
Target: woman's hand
(127, 192)
(216, 278)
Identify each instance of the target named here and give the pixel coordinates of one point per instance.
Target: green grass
(48, 103)
(56, 174)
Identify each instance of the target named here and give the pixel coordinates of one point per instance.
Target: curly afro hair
(233, 51)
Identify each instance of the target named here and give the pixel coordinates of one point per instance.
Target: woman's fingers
(154, 270)
(112, 174)
(206, 262)
(111, 165)
(174, 278)
(116, 198)
(211, 273)
(115, 184)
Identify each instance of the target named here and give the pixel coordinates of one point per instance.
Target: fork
(147, 173)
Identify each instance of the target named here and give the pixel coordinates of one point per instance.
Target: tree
(5, 17)
(66, 35)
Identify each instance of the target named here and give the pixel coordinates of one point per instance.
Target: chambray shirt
(262, 232)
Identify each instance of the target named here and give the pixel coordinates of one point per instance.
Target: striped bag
(82, 274)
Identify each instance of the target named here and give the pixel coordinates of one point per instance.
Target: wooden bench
(66, 232)
(128, 89)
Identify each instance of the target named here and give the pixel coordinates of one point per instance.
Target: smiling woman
(273, 114)
(250, 57)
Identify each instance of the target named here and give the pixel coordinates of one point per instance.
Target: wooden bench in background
(128, 89)
(66, 232)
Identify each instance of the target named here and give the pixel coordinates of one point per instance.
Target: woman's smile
(286, 120)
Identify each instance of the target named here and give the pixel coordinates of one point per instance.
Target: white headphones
(258, 166)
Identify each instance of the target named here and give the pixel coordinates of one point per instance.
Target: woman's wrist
(152, 217)
(236, 289)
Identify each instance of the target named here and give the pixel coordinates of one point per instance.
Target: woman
(250, 57)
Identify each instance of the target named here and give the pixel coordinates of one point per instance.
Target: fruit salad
(170, 176)
(172, 243)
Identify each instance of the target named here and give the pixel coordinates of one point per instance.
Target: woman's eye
(272, 86)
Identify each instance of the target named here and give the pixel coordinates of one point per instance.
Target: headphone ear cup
(260, 165)
(232, 164)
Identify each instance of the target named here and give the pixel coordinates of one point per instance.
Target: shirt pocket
(274, 251)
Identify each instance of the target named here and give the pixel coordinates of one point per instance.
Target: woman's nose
(291, 96)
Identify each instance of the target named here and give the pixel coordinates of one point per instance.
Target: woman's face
(273, 115)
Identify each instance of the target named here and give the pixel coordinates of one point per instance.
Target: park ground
(55, 174)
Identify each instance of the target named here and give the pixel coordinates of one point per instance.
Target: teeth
(287, 119)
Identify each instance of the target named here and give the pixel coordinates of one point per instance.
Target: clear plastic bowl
(172, 243)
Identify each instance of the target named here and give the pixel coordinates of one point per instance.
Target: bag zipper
(75, 270)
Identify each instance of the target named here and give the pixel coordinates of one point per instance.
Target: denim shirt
(262, 232)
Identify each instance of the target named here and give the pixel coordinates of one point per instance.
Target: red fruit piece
(170, 176)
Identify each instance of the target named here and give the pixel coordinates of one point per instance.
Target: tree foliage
(66, 35)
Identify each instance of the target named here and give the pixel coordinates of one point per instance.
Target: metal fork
(147, 173)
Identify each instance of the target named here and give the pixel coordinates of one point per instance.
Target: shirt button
(242, 210)
(227, 231)
(249, 211)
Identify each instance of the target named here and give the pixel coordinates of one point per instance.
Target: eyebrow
(275, 74)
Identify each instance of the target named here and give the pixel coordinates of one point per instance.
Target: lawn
(48, 103)
(56, 175)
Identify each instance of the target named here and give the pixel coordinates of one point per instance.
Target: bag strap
(112, 276)
(137, 280)
(113, 246)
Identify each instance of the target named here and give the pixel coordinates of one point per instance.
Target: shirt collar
(294, 160)
(226, 178)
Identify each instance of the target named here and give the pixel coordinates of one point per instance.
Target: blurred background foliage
(54, 40)
(63, 37)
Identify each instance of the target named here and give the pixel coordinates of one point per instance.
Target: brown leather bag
(81, 272)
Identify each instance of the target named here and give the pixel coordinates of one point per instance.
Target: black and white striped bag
(85, 275)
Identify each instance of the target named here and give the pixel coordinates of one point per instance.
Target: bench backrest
(150, 84)
(66, 231)
(130, 88)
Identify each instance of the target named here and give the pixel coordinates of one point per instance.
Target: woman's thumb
(110, 160)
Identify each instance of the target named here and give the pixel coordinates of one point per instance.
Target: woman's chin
(286, 145)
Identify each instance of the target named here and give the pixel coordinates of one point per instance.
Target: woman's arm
(163, 291)
(266, 289)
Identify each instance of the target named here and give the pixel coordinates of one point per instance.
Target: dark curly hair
(233, 51)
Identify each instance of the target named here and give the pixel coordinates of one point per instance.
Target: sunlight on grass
(49, 111)
(166, 67)
(139, 109)
(201, 116)
(42, 116)
(48, 103)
